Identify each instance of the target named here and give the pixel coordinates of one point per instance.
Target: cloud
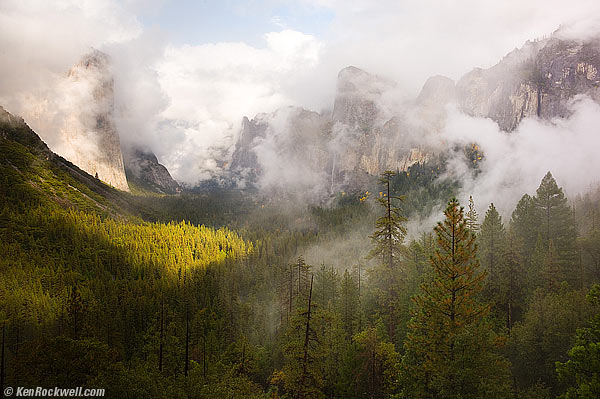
(410, 41)
(212, 86)
(40, 39)
(514, 163)
(39, 43)
(185, 102)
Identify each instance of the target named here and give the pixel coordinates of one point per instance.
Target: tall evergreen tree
(512, 278)
(590, 247)
(525, 223)
(388, 240)
(449, 348)
(471, 216)
(492, 240)
(390, 230)
(556, 224)
(349, 305)
(582, 370)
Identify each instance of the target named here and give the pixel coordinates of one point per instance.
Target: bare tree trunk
(306, 339)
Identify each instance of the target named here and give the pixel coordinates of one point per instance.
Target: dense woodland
(211, 295)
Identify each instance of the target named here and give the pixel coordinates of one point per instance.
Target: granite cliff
(365, 135)
(88, 132)
(79, 124)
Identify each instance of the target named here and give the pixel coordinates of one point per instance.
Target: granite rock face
(244, 160)
(366, 133)
(537, 80)
(360, 137)
(358, 97)
(142, 167)
(88, 134)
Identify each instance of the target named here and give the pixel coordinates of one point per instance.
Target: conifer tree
(551, 271)
(471, 216)
(582, 370)
(556, 223)
(492, 240)
(388, 240)
(525, 223)
(303, 373)
(390, 230)
(590, 246)
(349, 305)
(75, 309)
(512, 278)
(449, 349)
(326, 291)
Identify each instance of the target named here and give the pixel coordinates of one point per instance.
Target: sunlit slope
(61, 228)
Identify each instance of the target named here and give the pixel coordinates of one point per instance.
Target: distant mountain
(367, 134)
(536, 80)
(336, 150)
(145, 172)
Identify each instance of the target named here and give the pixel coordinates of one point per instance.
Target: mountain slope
(33, 175)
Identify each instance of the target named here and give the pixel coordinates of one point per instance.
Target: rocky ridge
(144, 170)
(364, 136)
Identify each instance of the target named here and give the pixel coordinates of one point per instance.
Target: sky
(186, 72)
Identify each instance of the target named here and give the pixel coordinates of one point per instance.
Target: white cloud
(514, 163)
(186, 102)
(409, 41)
(212, 86)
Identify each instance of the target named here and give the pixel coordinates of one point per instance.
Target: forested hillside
(230, 294)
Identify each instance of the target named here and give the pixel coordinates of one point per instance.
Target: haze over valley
(300, 199)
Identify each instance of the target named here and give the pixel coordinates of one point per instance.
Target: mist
(514, 163)
(185, 101)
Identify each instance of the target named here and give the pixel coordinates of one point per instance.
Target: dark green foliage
(557, 226)
(582, 370)
(422, 188)
(450, 350)
(136, 294)
(491, 246)
(525, 224)
(545, 335)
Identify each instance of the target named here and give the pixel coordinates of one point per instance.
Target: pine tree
(349, 305)
(492, 240)
(556, 224)
(390, 230)
(590, 246)
(326, 291)
(512, 278)
(551, 270)
(525, 223)
(303, 371)
(388, 240)
(449, 349)
(471, 217)
(582, 370)
(75, 308)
